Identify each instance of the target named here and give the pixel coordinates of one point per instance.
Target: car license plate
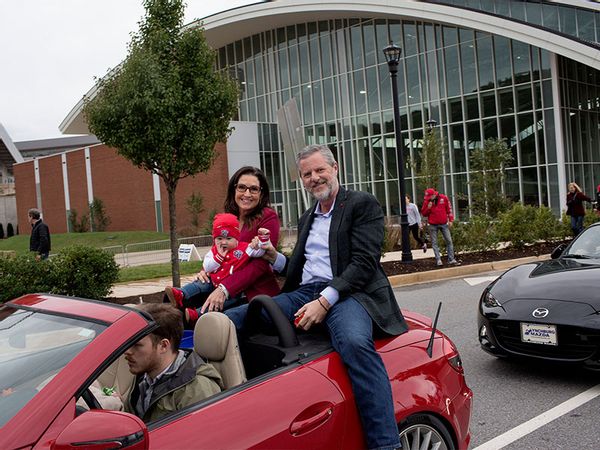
(538, 333)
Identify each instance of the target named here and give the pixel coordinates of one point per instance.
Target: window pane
(486, 67)
(503, 62)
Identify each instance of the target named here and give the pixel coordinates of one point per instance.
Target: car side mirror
(102, 430)
(557, 251)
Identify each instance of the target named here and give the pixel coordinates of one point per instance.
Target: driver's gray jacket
(193, 381)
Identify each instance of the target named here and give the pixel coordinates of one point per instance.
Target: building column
(558, 133)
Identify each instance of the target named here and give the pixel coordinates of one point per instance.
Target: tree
(487, 177)
(165, 107)
(429, 164)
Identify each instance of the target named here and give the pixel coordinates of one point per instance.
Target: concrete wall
(126, 191)
(8, 212)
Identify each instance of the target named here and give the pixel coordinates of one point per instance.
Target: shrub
(391, 236)
(22, 275)
(100, 221)
(10, 232)
(84, 272)
(207, 230)
(482, 233)
(517, 225)
(591, 216)
(546, 226)
(195, 206)
(1, 231)
(78, 226)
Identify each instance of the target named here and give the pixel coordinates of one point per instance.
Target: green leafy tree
(487, 166)
(165, 107)
(428, 166)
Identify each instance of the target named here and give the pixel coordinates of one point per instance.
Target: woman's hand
(202, 277)
(214, 302)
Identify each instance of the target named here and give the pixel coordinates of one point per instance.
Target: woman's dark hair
(264, 201)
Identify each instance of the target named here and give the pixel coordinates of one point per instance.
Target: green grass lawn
(150, 271)
(20, 243)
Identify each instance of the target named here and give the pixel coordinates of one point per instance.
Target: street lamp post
(392, 55)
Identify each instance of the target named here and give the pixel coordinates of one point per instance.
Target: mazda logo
(540, 313)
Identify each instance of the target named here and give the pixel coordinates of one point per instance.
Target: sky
(51, 50)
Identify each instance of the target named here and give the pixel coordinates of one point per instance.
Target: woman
(575, 209)
(248, 199)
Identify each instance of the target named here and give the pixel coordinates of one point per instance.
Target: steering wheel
(91, 399)
(283, 326)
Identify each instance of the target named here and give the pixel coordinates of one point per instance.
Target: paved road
(516, 405)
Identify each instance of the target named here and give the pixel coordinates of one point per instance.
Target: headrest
(211, 335)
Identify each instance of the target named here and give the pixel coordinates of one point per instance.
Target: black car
(547, 310)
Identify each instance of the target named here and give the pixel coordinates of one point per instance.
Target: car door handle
(303, 424)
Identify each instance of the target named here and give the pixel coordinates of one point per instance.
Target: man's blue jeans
(433, 233)
(351, 331)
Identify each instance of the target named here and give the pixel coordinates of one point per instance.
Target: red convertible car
(60, 356)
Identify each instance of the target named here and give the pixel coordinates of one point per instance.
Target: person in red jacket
(227, 256)
(575, 208)
(438, 211)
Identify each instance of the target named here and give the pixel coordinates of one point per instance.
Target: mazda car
(62, 371)
(547, 310)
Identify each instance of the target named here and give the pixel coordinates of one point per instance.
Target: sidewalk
(157, 285)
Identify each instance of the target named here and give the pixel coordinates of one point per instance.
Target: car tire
(424, 429)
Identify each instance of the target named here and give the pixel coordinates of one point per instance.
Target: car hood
(559, 279)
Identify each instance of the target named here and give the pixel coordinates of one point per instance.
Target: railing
(156, 252)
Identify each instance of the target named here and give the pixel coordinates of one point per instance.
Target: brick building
(133, 198)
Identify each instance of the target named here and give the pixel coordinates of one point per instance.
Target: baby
(228, 254)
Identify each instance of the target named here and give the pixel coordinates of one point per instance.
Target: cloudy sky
(51, 50)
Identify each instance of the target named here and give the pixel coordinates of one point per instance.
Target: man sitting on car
(168, 379)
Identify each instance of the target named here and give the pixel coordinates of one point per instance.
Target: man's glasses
(243, 188)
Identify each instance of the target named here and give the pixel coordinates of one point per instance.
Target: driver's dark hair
(170, 323)
(264, 201)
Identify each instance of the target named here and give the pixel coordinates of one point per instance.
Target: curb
(447, 273)
(460, 271)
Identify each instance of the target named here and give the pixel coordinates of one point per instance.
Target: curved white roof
(232, 25)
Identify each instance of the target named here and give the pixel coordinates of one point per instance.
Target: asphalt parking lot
(517, 405)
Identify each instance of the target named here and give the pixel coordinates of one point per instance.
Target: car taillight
(456, 363)
(453, 357)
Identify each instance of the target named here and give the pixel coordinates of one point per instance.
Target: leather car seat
(215, 339)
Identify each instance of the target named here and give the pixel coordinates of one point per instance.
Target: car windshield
(33, 348)
(586, 245)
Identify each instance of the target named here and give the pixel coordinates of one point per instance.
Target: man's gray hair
(315, 148)
(34, 213)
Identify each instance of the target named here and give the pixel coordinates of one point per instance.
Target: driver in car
(167, 379)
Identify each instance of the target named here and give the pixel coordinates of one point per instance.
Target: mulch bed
(399, 268)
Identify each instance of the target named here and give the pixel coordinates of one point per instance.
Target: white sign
(538, 333)
(188, 252)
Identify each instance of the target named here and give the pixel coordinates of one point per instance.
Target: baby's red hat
(226, 225)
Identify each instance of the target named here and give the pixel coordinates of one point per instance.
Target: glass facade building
(525, 71)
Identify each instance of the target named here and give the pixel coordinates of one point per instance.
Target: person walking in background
(598, 200)
(414, 222)
(575, 209)
(39, 241)
(248, 199)
(437, 209)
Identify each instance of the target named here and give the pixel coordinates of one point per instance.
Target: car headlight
(489, 300)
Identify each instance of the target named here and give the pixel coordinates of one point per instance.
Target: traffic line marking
(543, 419)
(472, 281)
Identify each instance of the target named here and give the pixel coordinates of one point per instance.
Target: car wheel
(421, 432)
